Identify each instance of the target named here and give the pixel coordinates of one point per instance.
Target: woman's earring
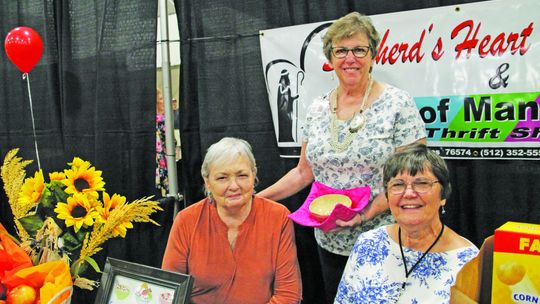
(443, 211)
(209, 195)
(332, 76)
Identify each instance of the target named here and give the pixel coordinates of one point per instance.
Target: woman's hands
(377, 206)
(356, 220)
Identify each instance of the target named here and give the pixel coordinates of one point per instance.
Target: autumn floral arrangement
(61, 223)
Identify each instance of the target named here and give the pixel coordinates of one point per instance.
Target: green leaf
(58, 190)
(93, 263)
(71, 243)
(73, 240)
(31, 223)
(81, 234)
(46, 199)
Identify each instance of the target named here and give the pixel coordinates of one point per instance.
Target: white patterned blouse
(375, 272)
(393, 120)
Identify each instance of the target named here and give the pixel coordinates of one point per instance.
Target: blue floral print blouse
(375, 272)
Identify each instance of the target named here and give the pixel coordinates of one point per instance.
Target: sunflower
(109, 205)
(82, 178)
(79, 163)
(57, 176)
(32, 189)
(67, 215)
(121, 229)
(78, 211)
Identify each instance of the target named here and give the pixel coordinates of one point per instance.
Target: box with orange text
(516, 264)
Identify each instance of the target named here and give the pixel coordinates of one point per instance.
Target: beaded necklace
(357, 121)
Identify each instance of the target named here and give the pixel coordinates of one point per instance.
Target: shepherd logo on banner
(289, 81)
(472, 70)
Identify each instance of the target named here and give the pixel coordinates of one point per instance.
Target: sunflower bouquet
(69, 216)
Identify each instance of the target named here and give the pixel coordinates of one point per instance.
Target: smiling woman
(348, 134)
(428, 177)
(239, 247)
(417, 259)
(229, 171)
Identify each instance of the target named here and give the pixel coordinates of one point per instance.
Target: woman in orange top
(239, 248)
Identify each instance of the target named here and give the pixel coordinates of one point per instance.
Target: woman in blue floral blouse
(417, 259)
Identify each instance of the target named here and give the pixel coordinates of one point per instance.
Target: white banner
(473, 70)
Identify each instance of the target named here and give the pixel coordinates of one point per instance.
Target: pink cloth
(359, 197)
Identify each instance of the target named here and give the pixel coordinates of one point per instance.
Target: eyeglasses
(358, 51)
(419, 185)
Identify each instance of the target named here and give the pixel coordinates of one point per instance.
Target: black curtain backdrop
(223, 94)
(94, 94)
(93, 97)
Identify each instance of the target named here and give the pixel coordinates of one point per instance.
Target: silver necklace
(357, 122)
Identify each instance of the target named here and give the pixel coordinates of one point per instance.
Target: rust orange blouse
(262, 267)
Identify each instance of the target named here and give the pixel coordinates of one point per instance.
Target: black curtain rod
(226, 37)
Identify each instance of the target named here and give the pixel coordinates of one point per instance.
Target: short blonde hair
(346, 27)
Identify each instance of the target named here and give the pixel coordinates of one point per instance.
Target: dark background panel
(94, 93)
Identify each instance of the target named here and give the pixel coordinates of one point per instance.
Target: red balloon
(24, 48)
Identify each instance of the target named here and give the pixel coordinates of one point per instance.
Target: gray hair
(226, 150)
(346, 27)
(418, 158)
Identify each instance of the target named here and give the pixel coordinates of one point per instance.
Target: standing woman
(239, 248)
(162, 179)
(348, 135)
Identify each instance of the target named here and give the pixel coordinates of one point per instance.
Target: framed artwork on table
(125, 282)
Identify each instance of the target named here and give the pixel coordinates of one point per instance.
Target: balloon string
(27, 77)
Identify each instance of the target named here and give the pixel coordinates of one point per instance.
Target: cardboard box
(516, 264)
(473, 282)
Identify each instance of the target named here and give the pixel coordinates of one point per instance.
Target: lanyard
(408, 272)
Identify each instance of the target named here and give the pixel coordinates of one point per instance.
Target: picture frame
(125, 282)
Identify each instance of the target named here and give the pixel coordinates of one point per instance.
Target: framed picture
(124, 282)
